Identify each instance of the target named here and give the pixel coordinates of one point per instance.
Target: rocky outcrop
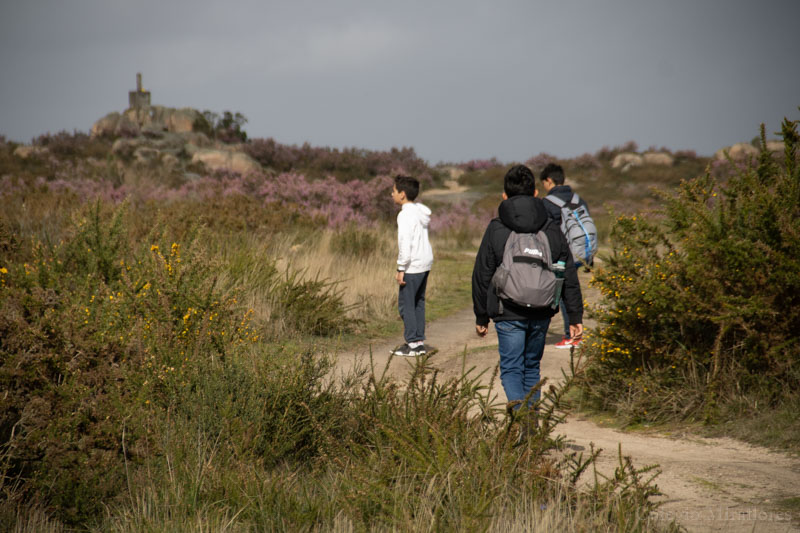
(215, 159)
(747, 150)
(627, 160)
(181, 120)
(26, 151)
(658, 158)
(195, 139)
(106, 125)
(164, 142)
(737, 151)
(153, 134)
(148, 119)
(775, 146)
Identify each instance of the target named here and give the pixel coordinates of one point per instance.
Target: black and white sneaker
(405, 351)
(420, 350)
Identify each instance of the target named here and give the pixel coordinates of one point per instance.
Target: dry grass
(364, 280)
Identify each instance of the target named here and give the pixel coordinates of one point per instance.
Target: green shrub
(95, 333)
(226, 128)
(702, 307)
(311, 305)
(355, 241)
(489, 178)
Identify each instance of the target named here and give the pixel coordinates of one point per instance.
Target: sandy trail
(709, 484)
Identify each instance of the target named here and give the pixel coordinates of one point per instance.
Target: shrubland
(700, 314)
(609, 191)
(344, 164)
(166, 349)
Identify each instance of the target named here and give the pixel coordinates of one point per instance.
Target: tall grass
(411, 458)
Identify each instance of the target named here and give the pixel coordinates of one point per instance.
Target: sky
(454, 79)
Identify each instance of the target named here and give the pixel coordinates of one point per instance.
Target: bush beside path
(708, 484)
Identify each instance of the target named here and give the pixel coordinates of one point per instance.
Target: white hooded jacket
(416, 254)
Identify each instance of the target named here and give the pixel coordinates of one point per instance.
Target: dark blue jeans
(411, 303)
(521, 345)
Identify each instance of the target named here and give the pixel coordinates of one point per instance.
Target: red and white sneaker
(576, 342)
(564, 343)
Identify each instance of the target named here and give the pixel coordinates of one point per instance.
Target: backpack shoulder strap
(575, 199)
(552, 198)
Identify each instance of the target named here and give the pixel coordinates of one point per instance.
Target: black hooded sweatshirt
(565, 193)
(523, 214)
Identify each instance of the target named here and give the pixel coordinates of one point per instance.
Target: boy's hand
(399, 277)
(575, 331)
(481, 330)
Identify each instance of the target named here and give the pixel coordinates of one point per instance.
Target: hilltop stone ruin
(149, 134)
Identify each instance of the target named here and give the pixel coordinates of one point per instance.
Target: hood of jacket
(562, 191)
(420, 212)
(523, 214)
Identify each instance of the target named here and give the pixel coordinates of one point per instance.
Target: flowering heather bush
(459, 223)
(584, 162)
(346, 164)
(272, 154)
(458, 217)
(327, 199)
(538, 162)
(339, 203)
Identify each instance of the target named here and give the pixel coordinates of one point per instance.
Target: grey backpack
(578, 227)
(527, 276)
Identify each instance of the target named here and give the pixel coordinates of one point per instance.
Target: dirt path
(452, 192)
(709, 484)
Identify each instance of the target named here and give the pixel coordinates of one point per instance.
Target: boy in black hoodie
(521, 331)
(552, 177)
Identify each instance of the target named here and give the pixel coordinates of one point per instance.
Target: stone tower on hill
(139, 98)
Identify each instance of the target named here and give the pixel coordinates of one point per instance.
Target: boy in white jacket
(414, 262)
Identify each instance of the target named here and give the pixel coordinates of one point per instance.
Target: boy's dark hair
(408, 185)
(519, 180)
(554, 172)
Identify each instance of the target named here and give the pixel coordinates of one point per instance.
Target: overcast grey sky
(456, 80)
